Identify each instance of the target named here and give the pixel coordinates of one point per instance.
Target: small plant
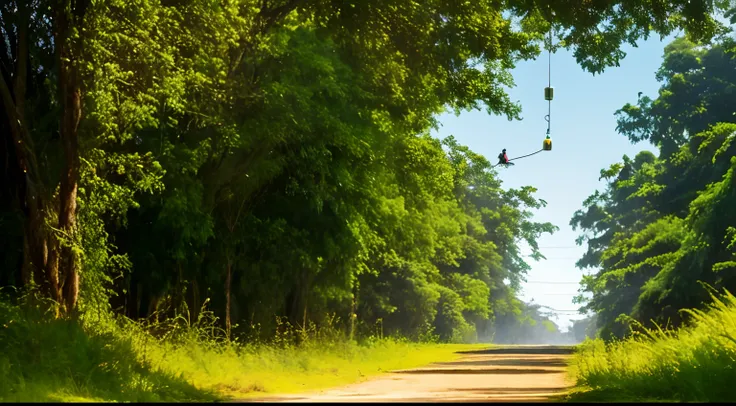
(110, 357)
(694, 363)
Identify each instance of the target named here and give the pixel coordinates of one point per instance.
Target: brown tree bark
(153, 304)
(353, 309)
(35, 239)
(195, 307)
(228, 283)
(304, 316)
(70, 92)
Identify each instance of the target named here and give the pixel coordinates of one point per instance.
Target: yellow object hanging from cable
(547, 144)
(549, 94)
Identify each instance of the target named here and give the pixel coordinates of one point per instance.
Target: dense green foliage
(666, 225)
(661, 239)
(273, 157)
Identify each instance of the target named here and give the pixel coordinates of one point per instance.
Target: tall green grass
(48, 359)
(106, 359)
(694, 363)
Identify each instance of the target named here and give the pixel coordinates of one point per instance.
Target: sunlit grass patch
(47, 360)
(257, 371)
(695, 363)
(323, 361)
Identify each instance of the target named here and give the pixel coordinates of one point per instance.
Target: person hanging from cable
(503, 159)
(549, 92)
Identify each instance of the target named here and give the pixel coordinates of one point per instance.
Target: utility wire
(559, 310)
(548, 117)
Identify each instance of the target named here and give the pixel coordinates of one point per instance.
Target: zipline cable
(548, 95)
(524, 156)
(548, 117)
(519, 157)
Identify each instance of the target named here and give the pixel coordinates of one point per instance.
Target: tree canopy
(275, 156)
(663, 229)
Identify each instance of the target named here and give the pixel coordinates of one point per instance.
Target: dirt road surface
(501, 374)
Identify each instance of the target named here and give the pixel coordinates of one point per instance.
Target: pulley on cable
(549, 94)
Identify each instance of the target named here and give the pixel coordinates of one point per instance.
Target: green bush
(45, 359)
(694, 363)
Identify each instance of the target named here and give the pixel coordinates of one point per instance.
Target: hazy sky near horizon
(584, 141)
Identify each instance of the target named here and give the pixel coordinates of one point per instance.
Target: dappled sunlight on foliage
(660, 239)
(192, 188)
(664, 224)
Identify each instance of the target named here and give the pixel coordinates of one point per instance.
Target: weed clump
(694, 363)
(43, 358)
(106, 357)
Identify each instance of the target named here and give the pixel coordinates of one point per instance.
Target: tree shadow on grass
(56, 360)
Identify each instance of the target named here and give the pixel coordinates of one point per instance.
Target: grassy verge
(269, 370)
(694, 364)
(42, 359)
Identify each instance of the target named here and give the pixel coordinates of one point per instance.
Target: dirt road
(504, 374)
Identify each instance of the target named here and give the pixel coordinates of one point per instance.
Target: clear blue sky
(584, 141)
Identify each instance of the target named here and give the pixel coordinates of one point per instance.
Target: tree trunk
(178, 298)
(153, 304)
(35, 248)
(228, 282)
(353, 316)
(304, 318)
(138, 301)
(51, 265)
(195, 300)
(69, 15)
(71, 102)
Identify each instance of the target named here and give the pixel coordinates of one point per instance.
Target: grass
(269, 370)
(696, 363)
(47, 360)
